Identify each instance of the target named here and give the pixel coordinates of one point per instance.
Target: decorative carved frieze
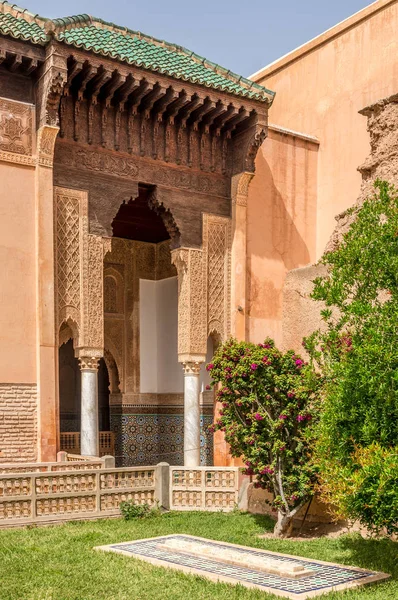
(138, 169)
(16, 131)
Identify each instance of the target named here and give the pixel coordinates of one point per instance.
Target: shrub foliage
(357, 351)
(268, 409)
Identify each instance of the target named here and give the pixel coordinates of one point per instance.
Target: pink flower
(254, 366)
(239, 403)
(225, 404)
(258, 417)
(291, 394)
(299, 363)
(293, 497)
(267, 471)
(209, 367)
(282, 417)
(208, 387)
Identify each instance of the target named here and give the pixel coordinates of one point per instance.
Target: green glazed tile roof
(135, 48)
(19, 27)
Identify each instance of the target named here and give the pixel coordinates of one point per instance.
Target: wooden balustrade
(70, 442)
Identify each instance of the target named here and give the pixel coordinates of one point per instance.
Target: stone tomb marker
(279, 574)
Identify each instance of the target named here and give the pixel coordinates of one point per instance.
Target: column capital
(88, 363)
(191, 368)
(89, 358)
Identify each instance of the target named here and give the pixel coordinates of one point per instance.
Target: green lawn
(59, 563)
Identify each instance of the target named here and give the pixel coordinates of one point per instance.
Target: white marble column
(89, 434)
(191, 414)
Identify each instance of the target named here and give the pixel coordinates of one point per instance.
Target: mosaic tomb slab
(279, 574)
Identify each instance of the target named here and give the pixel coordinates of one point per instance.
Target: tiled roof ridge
(40, 30)
(176, 48)
(18, 11)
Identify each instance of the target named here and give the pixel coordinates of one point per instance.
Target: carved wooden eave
(20, 57)
(238, 124)
(226, 128)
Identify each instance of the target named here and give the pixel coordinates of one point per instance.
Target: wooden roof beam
(94, 87)
(121, 95)
(138, 94)
(161, 106)
(157, 92)
(220, 121)
(231, 124)
(186, 112)
(76, 69)
(209, 119)
(109, 89)
(173, 108)
(15, 63)
(198, 114)
(88, 74)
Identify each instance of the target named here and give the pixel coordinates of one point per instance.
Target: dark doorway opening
(70, 391)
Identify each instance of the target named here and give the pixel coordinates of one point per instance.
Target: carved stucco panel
(94, 305)
(70, 208)
(16, 131)
(192, 305)
(217, 247)
(78, 269)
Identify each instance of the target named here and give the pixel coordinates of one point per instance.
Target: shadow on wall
(281, 230)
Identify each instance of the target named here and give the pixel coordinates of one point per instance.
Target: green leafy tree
(268, 410)
(357, 351)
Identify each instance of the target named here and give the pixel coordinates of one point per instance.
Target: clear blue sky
(241, 35)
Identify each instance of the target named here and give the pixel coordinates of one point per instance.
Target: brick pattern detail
(18, 422)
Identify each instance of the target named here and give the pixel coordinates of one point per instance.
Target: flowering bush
(357, 352)
(269, 405)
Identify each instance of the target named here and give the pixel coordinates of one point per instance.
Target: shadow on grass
(264, 521)
(377, 555)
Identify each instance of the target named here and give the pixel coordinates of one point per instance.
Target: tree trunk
(284, 526)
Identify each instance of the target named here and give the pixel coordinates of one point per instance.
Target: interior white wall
(160, 370)
(148, 337)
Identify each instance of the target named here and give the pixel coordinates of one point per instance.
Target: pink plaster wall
(17, 283)
(319, 90)
(281, 226)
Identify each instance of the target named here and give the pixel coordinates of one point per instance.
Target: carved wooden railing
(204, 488)
(34, 498)
(70, 442)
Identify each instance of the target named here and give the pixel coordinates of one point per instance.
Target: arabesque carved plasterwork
(240, 188)
(46, 137)
(204, 288)
(217, 245)
(16, 131)
(78, 270)
(68, 209)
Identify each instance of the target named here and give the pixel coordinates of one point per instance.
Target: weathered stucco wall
(301, 315)
(281, 225)
(17, 287)
(320, 88)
